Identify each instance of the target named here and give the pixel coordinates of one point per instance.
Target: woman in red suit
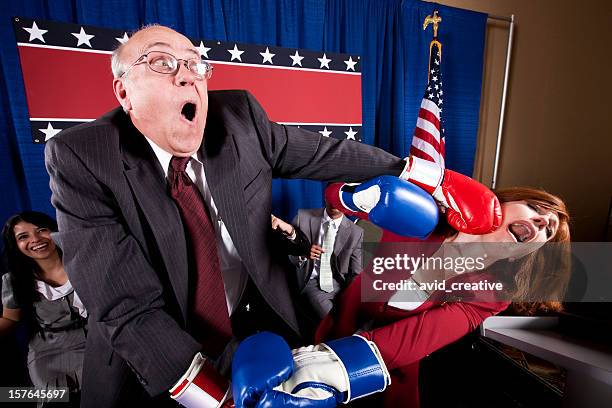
(406, 332)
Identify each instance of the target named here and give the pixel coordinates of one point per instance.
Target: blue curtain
(386, 33)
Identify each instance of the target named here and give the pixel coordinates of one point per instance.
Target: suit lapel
(146, 179)
(315, 225)
(342, 235)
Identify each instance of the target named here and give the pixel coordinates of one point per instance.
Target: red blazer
(405, 337)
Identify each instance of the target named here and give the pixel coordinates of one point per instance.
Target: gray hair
(118, 66)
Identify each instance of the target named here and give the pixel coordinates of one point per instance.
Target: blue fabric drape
(386, 33)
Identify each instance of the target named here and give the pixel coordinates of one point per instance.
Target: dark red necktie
(211, 323)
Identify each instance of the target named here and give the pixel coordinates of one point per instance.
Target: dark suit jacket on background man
(124, 244)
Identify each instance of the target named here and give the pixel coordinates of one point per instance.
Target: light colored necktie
(326, 279)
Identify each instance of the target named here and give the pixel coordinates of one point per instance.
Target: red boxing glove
(333, 197)
(470, 206)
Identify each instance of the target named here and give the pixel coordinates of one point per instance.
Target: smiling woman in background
(37, 290)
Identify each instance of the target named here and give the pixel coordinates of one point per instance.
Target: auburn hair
(538, 276)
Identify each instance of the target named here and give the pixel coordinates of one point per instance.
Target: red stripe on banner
(426, 136)
(429, 116)
(296, 96)
(66, 84)
(73, 84)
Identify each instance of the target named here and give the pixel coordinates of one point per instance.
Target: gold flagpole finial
(432, 20)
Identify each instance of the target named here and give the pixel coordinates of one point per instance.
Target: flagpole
(434, 20)
(502, 112)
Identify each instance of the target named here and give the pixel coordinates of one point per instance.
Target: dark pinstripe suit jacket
(123, 240)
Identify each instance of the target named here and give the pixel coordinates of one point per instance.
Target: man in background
(335, 256)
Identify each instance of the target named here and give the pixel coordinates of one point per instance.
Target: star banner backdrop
(315, 90)
(387, 34)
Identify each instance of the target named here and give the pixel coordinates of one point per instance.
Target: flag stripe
(430, 117)
(431, 106)
(429, 128)
(427, 148)
(427, 137)
(53, 89)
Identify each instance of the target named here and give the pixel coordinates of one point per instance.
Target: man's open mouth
(189, 111)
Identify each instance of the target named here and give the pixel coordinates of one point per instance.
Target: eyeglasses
(165, 63)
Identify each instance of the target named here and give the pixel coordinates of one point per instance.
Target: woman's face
(525, 228)
(33, 241)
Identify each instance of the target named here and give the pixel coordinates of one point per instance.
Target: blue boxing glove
(261, 362)
(329, 374)
(389, 202)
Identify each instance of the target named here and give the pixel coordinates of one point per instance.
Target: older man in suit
(164, 212)
(335, 256)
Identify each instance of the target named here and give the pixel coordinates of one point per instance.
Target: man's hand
(469, 206)
(389, 202)
(262, 361)
(322, 375)
(316, 251)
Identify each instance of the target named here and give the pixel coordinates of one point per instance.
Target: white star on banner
(350, 64)
(324, 61)
(350, 134)
(123, 39)
(35, 32)
(325, 132)
(203, 50)
(434, 78)
(297, 59)
(83, 38)
(50, 131)
(236, 53)
(267, 56)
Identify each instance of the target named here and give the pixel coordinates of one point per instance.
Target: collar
(53, 292)
(57, 292)
(164, 157)
(327, 218)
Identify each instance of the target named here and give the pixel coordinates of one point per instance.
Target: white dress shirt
(234, 278)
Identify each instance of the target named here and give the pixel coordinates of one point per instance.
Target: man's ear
(121, 94)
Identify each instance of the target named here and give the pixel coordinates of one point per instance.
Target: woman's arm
(414, 337)
(9, 320)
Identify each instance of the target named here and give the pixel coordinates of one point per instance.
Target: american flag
(428, 140)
